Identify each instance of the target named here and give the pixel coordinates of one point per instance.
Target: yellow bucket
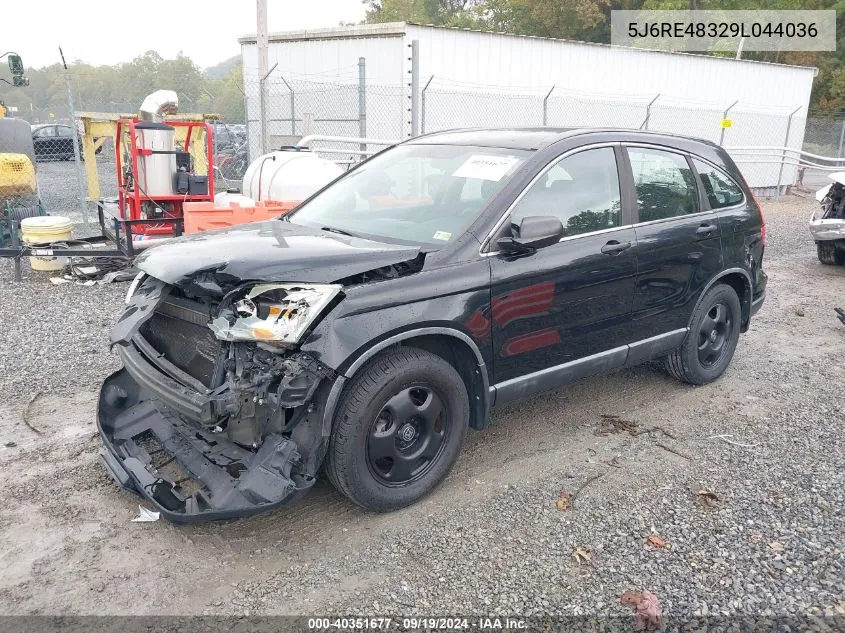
(43, 231)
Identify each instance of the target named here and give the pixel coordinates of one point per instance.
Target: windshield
(415, 194)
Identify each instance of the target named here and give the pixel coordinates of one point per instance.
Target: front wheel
(398, 430)
(709, 346)
(829, 254)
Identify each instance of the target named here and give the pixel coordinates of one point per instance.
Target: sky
(98, 32)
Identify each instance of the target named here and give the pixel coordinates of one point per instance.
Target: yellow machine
(18, 186)
(17, 176)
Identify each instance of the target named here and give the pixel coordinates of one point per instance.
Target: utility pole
(261, 41)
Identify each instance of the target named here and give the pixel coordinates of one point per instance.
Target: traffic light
(16, 67)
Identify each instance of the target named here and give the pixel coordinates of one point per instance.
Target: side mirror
(533, 232)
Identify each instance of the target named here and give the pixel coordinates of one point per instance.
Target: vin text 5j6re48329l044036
(362, 334)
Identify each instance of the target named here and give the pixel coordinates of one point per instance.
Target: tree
(419, 11)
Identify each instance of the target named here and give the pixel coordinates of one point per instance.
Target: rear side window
(582, 190)
(664, 184)
(63, 131)
(721, 190)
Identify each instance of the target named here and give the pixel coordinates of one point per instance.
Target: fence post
(292, 107)
(422, 104)
(644, 124)
(262, 102)
(725, 116)
(546, 106)
(841, 140)
(362, 100)
(783, 152)
(415, 87)
(83, 206)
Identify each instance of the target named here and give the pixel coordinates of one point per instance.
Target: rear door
(562, 310)
(679, 243)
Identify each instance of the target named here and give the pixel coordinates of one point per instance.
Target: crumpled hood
(270, 251)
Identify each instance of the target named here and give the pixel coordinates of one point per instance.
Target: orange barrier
(204, 216)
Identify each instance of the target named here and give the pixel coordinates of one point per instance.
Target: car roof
(538, 138)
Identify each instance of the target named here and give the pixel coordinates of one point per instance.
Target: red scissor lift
(142, 215)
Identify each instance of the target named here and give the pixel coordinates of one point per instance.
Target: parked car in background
(362, 334)
(827, 224)
(54, 141)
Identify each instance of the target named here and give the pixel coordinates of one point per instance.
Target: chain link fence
(279, 111)
(296, 108)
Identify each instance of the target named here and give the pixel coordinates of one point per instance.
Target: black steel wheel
(407, 436)
(714, 332)
(398, 429)
(713, 335)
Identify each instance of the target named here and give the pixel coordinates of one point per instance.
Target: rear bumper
(187, 472)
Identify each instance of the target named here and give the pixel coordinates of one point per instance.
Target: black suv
(364, 332)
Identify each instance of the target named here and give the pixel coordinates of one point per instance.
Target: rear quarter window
(721, 190)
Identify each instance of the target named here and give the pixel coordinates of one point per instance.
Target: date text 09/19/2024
(412, 624)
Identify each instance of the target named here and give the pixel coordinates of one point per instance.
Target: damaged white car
(827, 224)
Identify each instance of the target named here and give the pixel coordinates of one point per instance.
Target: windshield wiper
(331, 229)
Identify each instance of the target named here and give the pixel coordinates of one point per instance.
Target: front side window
(46, 132)
(664, 184)
(582, 190)
(413, 194)
(721, 190)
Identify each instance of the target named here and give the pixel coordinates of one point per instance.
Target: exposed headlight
(274, 313)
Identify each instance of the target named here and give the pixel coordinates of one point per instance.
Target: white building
(497, 80)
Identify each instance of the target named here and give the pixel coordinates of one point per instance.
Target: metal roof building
(471, 78)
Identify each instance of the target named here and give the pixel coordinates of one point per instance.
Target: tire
(384, 453)
(829, 254)
(713, 334)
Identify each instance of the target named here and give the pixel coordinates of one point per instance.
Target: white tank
(224, 198)
(288, 176)
(156, 170)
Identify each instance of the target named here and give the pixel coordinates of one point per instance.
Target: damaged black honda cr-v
(366, 331)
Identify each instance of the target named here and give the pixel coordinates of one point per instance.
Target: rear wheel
(829, 254)
(398, 429)
(709, 346)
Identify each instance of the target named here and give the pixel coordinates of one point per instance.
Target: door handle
(614, 248)
(706, 229)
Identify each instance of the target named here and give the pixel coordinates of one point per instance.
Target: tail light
(762, 220)
(759, 210)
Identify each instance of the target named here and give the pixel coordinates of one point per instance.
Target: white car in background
(827, 224)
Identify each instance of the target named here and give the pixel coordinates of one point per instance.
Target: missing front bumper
(189, 473)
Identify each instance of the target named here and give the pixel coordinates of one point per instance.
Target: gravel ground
(490, 539)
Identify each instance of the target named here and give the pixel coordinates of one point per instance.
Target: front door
(678, 238)
(570, 301)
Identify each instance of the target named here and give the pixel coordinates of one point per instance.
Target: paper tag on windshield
(442, 235)
(485, 167)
